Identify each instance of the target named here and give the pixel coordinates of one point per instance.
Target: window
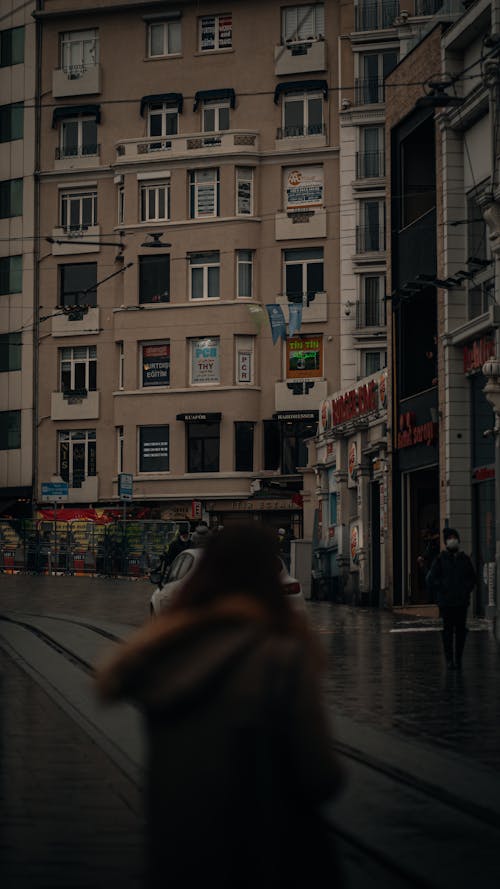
(304, 357)
(371, 232)
(371, 362)
(77, 456)
(203, 446)
(303, 274)
(480, 290)
(303, 22)
(244, 264)
(155, 201)
(11, 47)
(243, 447)
(154, 446)
(78, 209)
(418, 173)
(244, 191)
(205, 275)
(272, 444)
(119, 449)
(163, 120)
(10, 352)
(302, 114)
(371, 15)
(205, 361)
(215, 115)
(332, 518)
(154, 279)
(78, 367)
(204, 187)
(11, 122)
(121, 365)
(245, 353)
(216, 32)
(371, 161)
(155, 364)
(11, 274)
(164, 39)
(11, 198)
(374, 67)
(371, 309)
(10, 430)
(293, 444)
(79, 137)
(77, 284)
(79, 51)
(121, 204)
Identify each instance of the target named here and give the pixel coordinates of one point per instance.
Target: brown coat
(240, 756)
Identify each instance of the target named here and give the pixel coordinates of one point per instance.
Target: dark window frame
(199, 434)
(86, 295)
(243, 445)
(150, 292)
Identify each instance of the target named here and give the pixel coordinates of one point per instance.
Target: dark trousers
(454, 617)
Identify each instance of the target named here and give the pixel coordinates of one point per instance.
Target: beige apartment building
(188, 192)
(17, 251)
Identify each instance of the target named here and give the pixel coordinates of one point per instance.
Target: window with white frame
(304, 22)
(215, 115)
(244, 191)
(204, 193)
(163, 120)
(204, 361)
(79, 137)
(79, 51)
(303, 267)
(164, 39)
(216, 32)
(371, 231)
(205, 275)
(155, 200)
(244, 359)
(371, 308)
(78, 369)
(371, 160)
(302, 114)
(244, 271)
(78, 209)
(373, 69)
(372, 361)
(77, 455)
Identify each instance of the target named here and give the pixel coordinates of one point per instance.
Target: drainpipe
(36, 281)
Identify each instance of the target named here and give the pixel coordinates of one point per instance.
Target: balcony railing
(370, 164)
(369, 91)
(243, 141)
(370, 238)
(376, 16)
(370, 314)
(77, 151)
(312, 129)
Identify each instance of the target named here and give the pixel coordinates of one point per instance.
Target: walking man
(452, 579)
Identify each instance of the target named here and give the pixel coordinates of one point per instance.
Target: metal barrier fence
(126, 548)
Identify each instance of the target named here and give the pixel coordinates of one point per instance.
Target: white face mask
(452, 543)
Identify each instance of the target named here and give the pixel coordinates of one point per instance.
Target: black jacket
(451, 578)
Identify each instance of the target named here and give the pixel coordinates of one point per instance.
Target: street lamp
(491, 370)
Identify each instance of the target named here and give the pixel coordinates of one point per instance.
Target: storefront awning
(65, 111)
(174, 98)
(199, 418)
(297, 86)
(207, 95)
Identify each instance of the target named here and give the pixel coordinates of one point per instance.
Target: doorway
(421, 542)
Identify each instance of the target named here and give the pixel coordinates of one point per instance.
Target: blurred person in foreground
(240, 756)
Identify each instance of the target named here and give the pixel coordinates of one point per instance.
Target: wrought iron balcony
(369, 91)
(376, 16)
(370, 313)
(370, 238)
(370, 164)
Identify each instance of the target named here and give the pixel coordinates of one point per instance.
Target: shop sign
(483, 474)
(304, 187)
(353, 458)
(355, 544)
(249, 505)
(205, 360)
(156, 365)
(410, 434)
(476, 353)
(196, 509)
(369, 396)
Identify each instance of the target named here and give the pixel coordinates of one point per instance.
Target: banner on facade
(277, 322)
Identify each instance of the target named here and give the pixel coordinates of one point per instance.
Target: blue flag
(294, 318)
(277, 322)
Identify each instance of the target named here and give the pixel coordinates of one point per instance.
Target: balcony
(370, 238)
(76, 80)
(193, 145)
(77, 157)
(75, 405)
(77, 237)
(369, 91)
(370, 164)
(297, 395)
(314, 307)
(375, 16)
(300, 57)
(370, 314)
(63, 325)
(300, 223)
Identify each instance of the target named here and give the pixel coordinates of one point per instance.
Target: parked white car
(186, 561)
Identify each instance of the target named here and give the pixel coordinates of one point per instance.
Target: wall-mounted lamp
(156, 242)
(436, 95)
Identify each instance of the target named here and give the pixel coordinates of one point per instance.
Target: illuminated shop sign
(412, 434)
(476, 353)
(366, 398)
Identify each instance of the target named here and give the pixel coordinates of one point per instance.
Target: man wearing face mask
(452, 579)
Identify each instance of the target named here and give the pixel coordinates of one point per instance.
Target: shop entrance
(421, 532)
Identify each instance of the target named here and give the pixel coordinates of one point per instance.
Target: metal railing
(312, 129)
(370, 164)
(370, 238)
(369, 91)
(77, 151)
(370, 313)
(376, 16)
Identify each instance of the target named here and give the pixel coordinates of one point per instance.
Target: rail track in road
(400, 824)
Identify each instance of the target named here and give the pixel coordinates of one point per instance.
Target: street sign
(125, 485)
(55, 492)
